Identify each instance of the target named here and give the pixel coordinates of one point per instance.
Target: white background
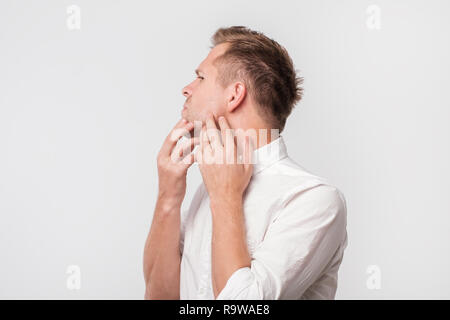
(84, 112)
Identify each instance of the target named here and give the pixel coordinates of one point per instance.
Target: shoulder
(309, 195)
(314, 192)
(291, 185)
(317, 187)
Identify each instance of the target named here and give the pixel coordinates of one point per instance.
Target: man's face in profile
(204, 94)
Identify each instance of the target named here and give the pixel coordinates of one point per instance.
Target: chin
(186, 114)
(192, 117)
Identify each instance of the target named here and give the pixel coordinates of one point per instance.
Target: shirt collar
(268, 154)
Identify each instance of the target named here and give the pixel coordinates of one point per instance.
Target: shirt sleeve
(298, 245)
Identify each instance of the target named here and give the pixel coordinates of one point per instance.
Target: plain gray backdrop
(83, 113)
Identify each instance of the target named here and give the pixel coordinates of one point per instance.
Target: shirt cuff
(240, 280)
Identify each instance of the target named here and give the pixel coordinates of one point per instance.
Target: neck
(248, 119)
(259, 134)
(264, 136)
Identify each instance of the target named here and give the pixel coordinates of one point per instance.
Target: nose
(187, 91)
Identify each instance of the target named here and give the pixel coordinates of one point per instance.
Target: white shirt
(296, 234)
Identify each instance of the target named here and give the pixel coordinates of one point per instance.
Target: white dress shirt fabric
(296, 235)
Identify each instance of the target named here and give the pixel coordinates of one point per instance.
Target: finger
(241, 141)
(243, 145)
(248, 151)
(213, 132)
(223, 125)
(206, 147)
(181, 128)
(198, 155)
(184, 148)
(199, 151)
(189, 159)
(190, 147)
(207, 152)
(228, 140)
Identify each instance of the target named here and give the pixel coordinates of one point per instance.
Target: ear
(236, 95)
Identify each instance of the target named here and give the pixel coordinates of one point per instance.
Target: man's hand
(224, 173)
(225, 179)
(173, 162)
(162, 256)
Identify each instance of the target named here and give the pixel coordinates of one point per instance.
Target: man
(261, 228)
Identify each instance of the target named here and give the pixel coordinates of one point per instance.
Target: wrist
(224, 200)
(168, 205)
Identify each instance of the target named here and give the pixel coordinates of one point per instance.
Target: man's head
(248, 78)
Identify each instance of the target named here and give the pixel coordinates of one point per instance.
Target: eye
(200, 77)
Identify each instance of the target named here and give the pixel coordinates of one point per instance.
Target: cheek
(209, 98)
(219, 101)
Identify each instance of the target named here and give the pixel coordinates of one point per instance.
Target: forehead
(207, 63)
